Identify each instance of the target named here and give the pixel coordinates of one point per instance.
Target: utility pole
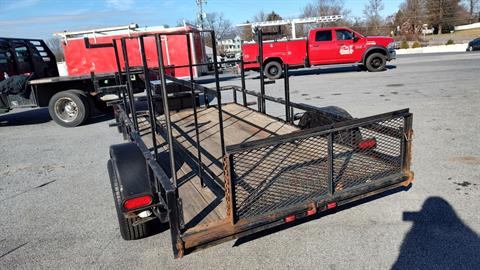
(200, 14)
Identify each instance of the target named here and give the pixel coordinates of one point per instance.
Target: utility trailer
(215, 170)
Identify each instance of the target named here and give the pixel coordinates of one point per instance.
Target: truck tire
(127, 230)
(69, 108)
(273, 70)
(376, 62)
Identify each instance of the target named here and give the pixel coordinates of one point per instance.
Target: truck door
(345, 45)
(322, 48)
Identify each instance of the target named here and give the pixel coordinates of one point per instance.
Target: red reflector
(290, 218)
(367, 144)
(137, 202)
(331, 205)
(311, 212)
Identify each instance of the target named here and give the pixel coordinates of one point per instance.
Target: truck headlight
(392, 45)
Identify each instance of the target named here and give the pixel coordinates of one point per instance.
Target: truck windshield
(344, 34)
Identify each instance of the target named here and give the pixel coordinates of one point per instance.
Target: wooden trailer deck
(203, 205)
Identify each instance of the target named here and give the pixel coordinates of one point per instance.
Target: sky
(41, 18)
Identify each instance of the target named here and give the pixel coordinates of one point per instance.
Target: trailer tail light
(311, 212)
(331, 205)
(367, 144)
(290, 218)
(137, 202)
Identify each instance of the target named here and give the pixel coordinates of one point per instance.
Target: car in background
(474, 45)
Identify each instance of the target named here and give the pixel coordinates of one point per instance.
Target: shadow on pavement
(211, 79)
(328, 70)
(325, 70)
(30, 117)
(438, 240)
(40, 116)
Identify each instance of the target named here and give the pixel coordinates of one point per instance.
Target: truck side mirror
(355, 38)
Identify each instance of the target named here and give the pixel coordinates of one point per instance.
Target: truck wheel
(127, 230)
(273, 70)
(69, 108)
(376, 62)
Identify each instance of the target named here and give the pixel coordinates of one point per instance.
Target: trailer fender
(130, 167)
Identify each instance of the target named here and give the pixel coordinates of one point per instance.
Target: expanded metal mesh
(274, 177)
(354, 165)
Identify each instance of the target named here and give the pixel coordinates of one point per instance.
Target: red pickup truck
(324, 46)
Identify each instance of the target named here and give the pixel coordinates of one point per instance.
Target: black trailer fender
(130, 167)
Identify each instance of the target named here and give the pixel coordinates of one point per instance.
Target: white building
(231, 45)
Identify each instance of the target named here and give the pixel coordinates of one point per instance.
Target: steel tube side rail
(219, 94)
(242, 76)
(194, 105)
(166, 111)
(261, 105)
(286, 79)
(148, 89)
(119, 71)
(129, 84)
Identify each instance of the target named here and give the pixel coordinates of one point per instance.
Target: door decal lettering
(344, 50)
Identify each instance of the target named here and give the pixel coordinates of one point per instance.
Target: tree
(246, 32)
(325, 8)
(411, 17)
(372, 16)
(260, 17)
(443, 14)
(273, 32)
(472, 6)
(218, 23)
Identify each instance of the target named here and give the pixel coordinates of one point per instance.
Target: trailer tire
(69, 108)
(376, 62)
(127, 230)
(273, 70)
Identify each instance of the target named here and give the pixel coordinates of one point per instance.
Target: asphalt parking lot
(56, 207)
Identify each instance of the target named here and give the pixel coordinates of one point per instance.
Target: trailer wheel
(376, 62)
(69, 108)
(273, 70)
(127, 230)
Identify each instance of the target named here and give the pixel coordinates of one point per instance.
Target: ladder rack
(293, 22)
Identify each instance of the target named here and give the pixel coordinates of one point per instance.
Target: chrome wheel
(66, 109)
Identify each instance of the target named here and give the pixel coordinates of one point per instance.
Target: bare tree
(260, 17)
(217, 22)
(55, 45)
(472, 6)
(373, 18)
(246, 32)
(325, 8)
(443, 14)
